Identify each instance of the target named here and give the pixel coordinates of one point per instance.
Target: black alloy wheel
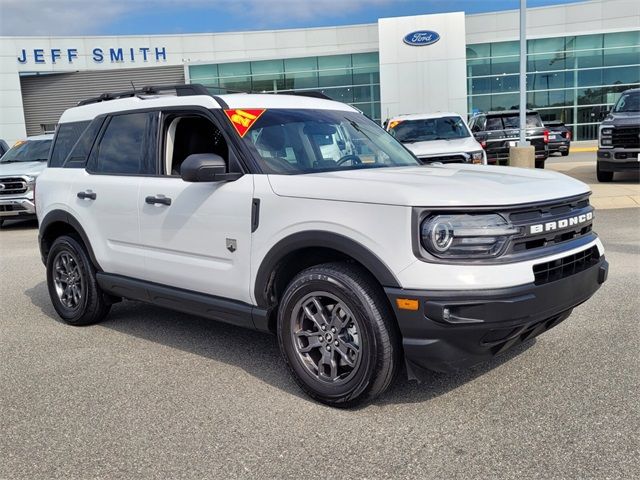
(337, 334)
(71, 280)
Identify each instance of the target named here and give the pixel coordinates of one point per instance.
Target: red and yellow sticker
(243, 119)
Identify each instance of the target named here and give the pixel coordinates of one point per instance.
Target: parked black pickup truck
(619, 137)
(497, 131)
(559, 138)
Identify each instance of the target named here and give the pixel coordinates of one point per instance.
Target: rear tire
(71, 280)
(603, 176)
(337, 334)
(540, 163)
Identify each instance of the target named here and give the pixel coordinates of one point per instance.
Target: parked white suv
(437, 137)
(227, 207)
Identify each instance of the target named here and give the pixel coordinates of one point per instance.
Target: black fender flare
(61, 216)
(319, 239)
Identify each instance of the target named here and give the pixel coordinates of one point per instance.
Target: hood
(22, 168)
(622, 119)
(443, 147)
(453, 185)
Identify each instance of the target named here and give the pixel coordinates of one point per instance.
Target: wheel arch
(60, 222)
(301, 250)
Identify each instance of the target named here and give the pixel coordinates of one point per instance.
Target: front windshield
(427, 129)
(29, 151)
(287, 141)
(628, 102)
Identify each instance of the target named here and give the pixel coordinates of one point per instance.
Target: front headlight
(477, 158)
(464, 236)
(606, 131)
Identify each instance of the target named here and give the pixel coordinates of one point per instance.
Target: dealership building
(580, 57)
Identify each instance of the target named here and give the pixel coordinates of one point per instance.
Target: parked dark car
(497, 131)
(619, 137)
(559, 138)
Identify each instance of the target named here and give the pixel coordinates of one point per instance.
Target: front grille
(626, 137)
(444, 159)
(565, 267)
(550, 212)
(12, 186)
(11, 208)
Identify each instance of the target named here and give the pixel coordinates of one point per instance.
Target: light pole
(523, 74)
(523, 154)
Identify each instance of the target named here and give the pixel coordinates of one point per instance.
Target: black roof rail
(308, 93)
(181, 91)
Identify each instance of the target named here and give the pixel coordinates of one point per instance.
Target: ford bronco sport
(357, 257)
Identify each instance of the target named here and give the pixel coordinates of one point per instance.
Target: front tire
(603, 176)
(337, 334)
(565, 153)
(71, 280)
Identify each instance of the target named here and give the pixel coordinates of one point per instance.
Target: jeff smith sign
(96, 55)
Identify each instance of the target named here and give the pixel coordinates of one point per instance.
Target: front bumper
(618, 159)
(452, 330)
(12, 207)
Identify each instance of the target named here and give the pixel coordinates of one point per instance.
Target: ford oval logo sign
(421, 38)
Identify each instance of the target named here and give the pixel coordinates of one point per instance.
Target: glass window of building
(353, 79)
(575, 79)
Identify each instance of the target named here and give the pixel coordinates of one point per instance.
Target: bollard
(523, 157)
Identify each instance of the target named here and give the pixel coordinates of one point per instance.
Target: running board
(186, 301)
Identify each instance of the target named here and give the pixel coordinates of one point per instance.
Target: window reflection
(574, 79)
(353, 79)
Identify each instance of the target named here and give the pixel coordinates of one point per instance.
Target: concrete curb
(582, 149)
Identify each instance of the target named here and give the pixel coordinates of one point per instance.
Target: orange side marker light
(407, 304)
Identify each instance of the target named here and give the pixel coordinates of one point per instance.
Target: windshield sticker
(243, 120)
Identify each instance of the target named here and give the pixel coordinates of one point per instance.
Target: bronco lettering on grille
(560, 224)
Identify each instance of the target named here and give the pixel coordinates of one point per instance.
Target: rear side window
(513, 121)
(494, 123)
(66, 137)
(126, 147)
(81, 150)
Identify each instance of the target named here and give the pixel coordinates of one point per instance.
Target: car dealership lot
(152, 393)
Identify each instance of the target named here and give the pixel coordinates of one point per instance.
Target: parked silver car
(19, 168)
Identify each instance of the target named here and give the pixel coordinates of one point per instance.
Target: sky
(138, 17)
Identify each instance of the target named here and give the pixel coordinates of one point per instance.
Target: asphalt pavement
(152, 393)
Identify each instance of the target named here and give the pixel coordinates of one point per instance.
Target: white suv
(357, 257)
(437, 137)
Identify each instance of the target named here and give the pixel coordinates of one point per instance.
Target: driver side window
(185, 135)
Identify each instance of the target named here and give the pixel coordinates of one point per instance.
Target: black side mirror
(206, 167)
